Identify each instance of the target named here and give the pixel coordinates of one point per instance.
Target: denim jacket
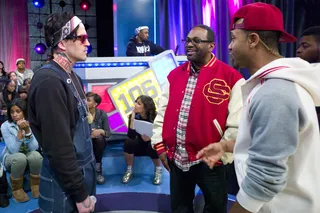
(101, 122)
(13, 144)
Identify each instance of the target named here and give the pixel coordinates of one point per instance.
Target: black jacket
(53, 115)
(101, 122)
(147, 48)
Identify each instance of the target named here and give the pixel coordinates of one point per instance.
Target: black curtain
(104, 13)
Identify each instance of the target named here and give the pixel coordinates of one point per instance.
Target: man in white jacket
(277, 147)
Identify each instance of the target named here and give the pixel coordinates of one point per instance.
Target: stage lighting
(38, 3)
(85, 5)
(40, 48)
(62, 3)
(89, 49)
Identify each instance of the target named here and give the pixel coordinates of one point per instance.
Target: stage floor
(138, 196)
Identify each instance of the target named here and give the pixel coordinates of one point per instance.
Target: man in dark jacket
(139, 45)
(60, 121)
(309, 49)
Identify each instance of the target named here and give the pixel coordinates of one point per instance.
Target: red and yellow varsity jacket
(214, 111)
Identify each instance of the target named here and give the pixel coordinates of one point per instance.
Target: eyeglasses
(195, 41)
(81, 38)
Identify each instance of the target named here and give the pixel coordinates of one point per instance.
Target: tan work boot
(34, 185)
(17, 189)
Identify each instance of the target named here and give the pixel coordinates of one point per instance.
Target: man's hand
(163, 158)
(145, 138)
(212, 153)
(86, 206)
(237, 208)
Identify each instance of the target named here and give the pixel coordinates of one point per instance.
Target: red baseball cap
(261, 16)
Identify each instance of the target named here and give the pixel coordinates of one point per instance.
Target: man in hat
(22, 72)
(139, 45)
(277, 145)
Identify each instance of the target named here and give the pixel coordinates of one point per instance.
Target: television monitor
(163, 64)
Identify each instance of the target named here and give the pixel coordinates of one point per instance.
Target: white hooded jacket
(278, 144)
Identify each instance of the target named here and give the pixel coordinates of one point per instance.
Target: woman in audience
(23, 93)
(100, 131)
(20, 151)
(6, 97)
(26, 83)
(3, 76)
(13, 76)
(144, 109)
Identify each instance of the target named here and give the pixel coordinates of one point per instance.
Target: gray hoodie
(278, 145)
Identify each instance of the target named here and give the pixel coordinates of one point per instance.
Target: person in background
(140, 145)
(309, 45)
(139, 45)
(3, 76)
(26, 83)
(12, 76)
(22, 72)
(20, 151)
(2, 70)
(6, 97)
(309, 49)
(23, 93)
(100, 131)
(277, 147)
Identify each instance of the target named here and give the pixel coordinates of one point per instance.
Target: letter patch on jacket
(216, 91)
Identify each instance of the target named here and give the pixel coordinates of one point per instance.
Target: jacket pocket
(218, 127)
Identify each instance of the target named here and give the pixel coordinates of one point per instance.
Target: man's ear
(62, 45)
(212, 46)
(253, 39)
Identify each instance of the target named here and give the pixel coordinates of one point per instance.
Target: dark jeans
(139, 148)
(212, 183)
(3, 184)
(99, 145)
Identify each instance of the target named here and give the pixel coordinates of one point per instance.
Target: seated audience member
(6, 97)
(12, 76)
(100, 131)
(22, 72)
(144, 109)
(3, 76)
(23, 93)
(27, 83)
(20, 151)
(4, 201)
(139, 45)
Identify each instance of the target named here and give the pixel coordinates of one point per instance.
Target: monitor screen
(162, 65)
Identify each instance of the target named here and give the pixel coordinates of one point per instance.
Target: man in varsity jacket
(200, 105)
